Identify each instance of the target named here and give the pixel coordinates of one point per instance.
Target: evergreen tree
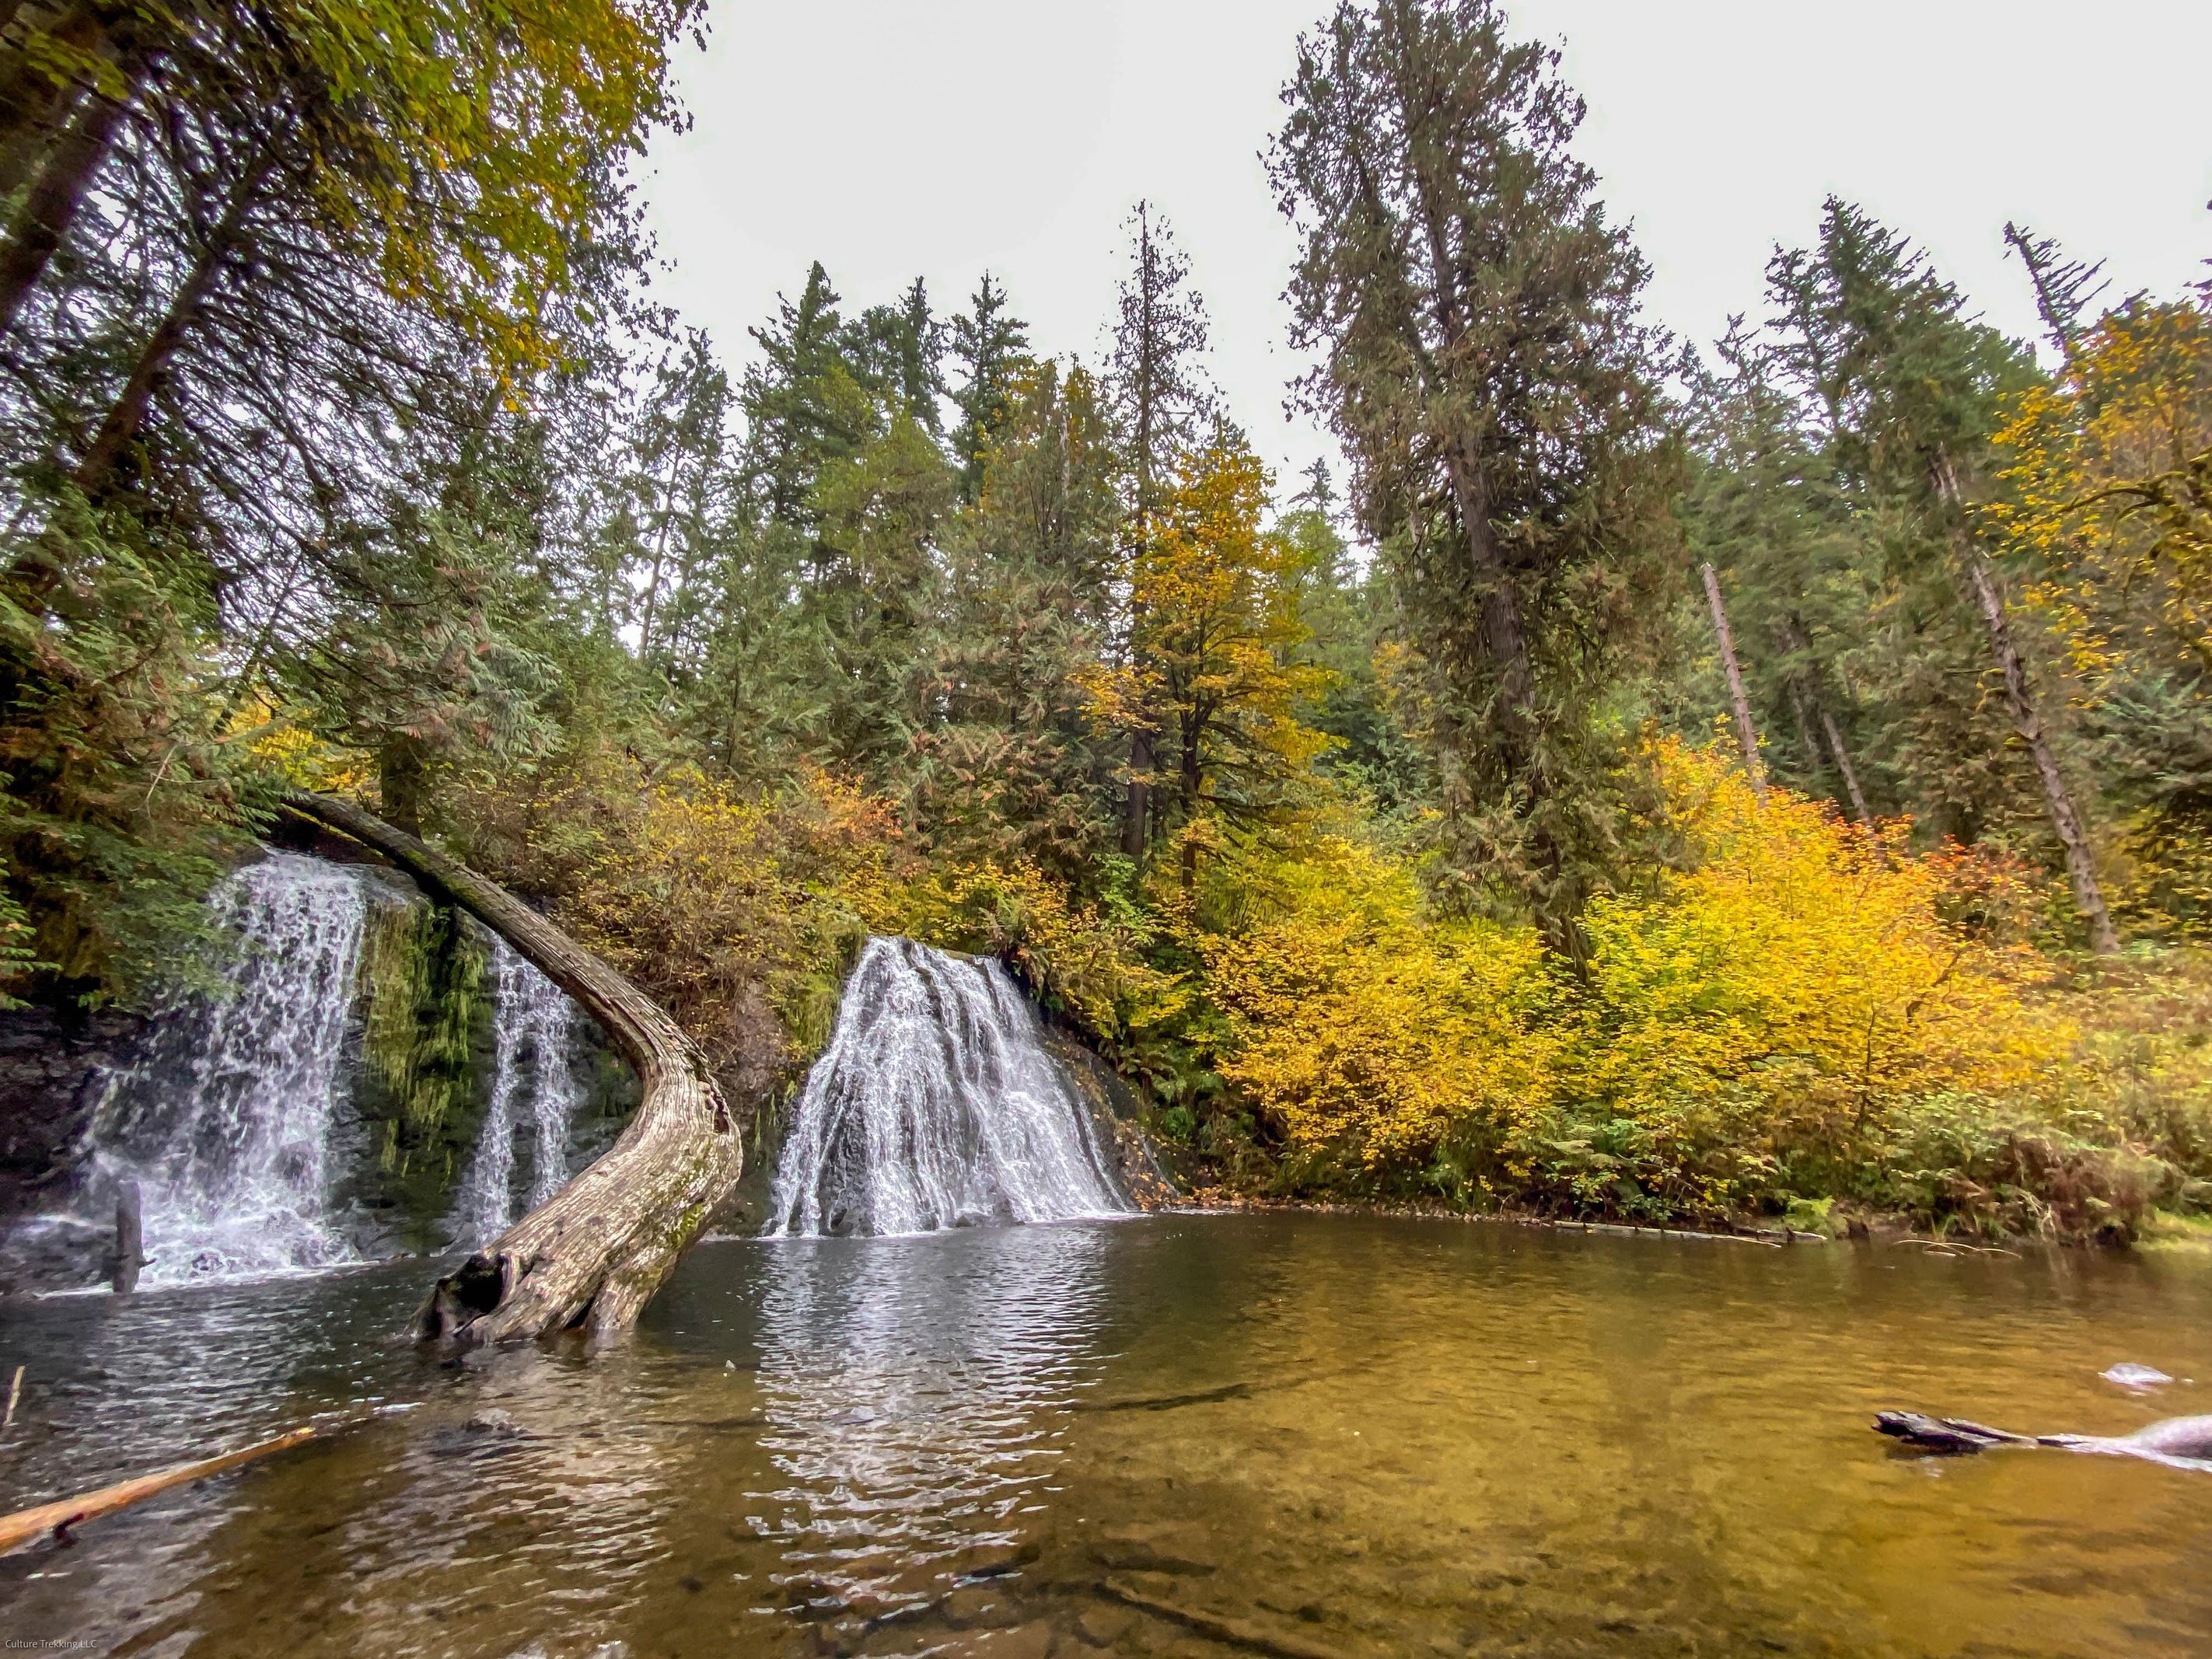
(1160, 398)
(804, 404)
(989, 345)
(1486, 367)
(1917, 387)
(1350, 614)
(676, 485)
(1015, 768)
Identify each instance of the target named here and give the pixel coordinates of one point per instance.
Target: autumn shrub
(740, 910)
(2143, 1062)
(1753, 1024)
(1794, 1015)
(1084, 959)
(1388, 1051)
(1969, 1164)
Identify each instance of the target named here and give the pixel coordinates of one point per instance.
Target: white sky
(892, 138)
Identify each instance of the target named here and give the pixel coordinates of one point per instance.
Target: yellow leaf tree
(2109, 503)
(1215, 599)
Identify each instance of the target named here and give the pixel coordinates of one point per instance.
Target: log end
(463, 1296)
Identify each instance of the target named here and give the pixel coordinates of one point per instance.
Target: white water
(936, 1105)
(226, 1123)
(534, 1092)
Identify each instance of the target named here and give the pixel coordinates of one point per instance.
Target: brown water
(1306, 1435)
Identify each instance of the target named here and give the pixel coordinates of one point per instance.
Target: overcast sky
(897, 138)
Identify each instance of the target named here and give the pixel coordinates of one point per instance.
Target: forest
(1748, 782)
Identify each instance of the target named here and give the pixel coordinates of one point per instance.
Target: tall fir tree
(1487, 369)
(1160, 398)
(989, 345)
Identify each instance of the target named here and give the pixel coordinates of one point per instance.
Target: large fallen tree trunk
(592, 1256)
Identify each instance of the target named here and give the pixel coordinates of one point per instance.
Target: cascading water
(534, 1091)
(225, 1123)
(936, 1105)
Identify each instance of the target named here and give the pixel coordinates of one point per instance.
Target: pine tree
(1486, 368)
(679, 439)
(1917, 387)
(989, 345)
(1016, 769)
(804, 405)
(2065, 290)
(1160, 399)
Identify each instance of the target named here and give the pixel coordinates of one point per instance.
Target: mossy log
(591, 1256)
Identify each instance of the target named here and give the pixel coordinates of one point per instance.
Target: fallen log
(27, 1527)
(591, 1256)
(2182, 1443)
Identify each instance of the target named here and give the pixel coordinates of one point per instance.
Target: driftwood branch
(592, 1257)
(27, 1527)
(2184, 1443)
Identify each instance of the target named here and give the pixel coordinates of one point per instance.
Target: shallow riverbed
(1179, 1435)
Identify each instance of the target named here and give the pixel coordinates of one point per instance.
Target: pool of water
(1286, 1434)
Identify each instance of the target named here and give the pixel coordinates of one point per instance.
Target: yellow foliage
(1356, 1025)
(739, 911)
(1786, 994)
(1075, 956)
(1214, 603)
(303, 759)
(1752, 1026)
(2109, 475)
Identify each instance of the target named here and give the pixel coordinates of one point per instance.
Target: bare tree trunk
(1810, 699)
(591, 1257)
(1193, 787)
(130, 1238)
(1746, 734)
(1809, 727)
(34, 101)
(2081, 862)
(1137, 804)
(57, 197)
(1843, 758)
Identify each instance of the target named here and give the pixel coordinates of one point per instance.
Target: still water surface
(1302, 1435)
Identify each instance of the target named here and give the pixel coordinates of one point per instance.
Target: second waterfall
(937, 1105)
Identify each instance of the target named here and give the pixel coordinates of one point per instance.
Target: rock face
(52, 1072)
(1113, 1110)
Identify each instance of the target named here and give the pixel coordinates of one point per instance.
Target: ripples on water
(1327, 1435)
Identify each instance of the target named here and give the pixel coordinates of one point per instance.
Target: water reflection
(1324, 1434)
(914, 1392)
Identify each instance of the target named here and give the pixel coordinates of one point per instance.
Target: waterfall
(936, 1105)
(534, 1090)
(225, 1122)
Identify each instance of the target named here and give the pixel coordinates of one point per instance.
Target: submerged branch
(27, 1527)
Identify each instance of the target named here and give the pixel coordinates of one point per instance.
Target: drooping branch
(591, 1256)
